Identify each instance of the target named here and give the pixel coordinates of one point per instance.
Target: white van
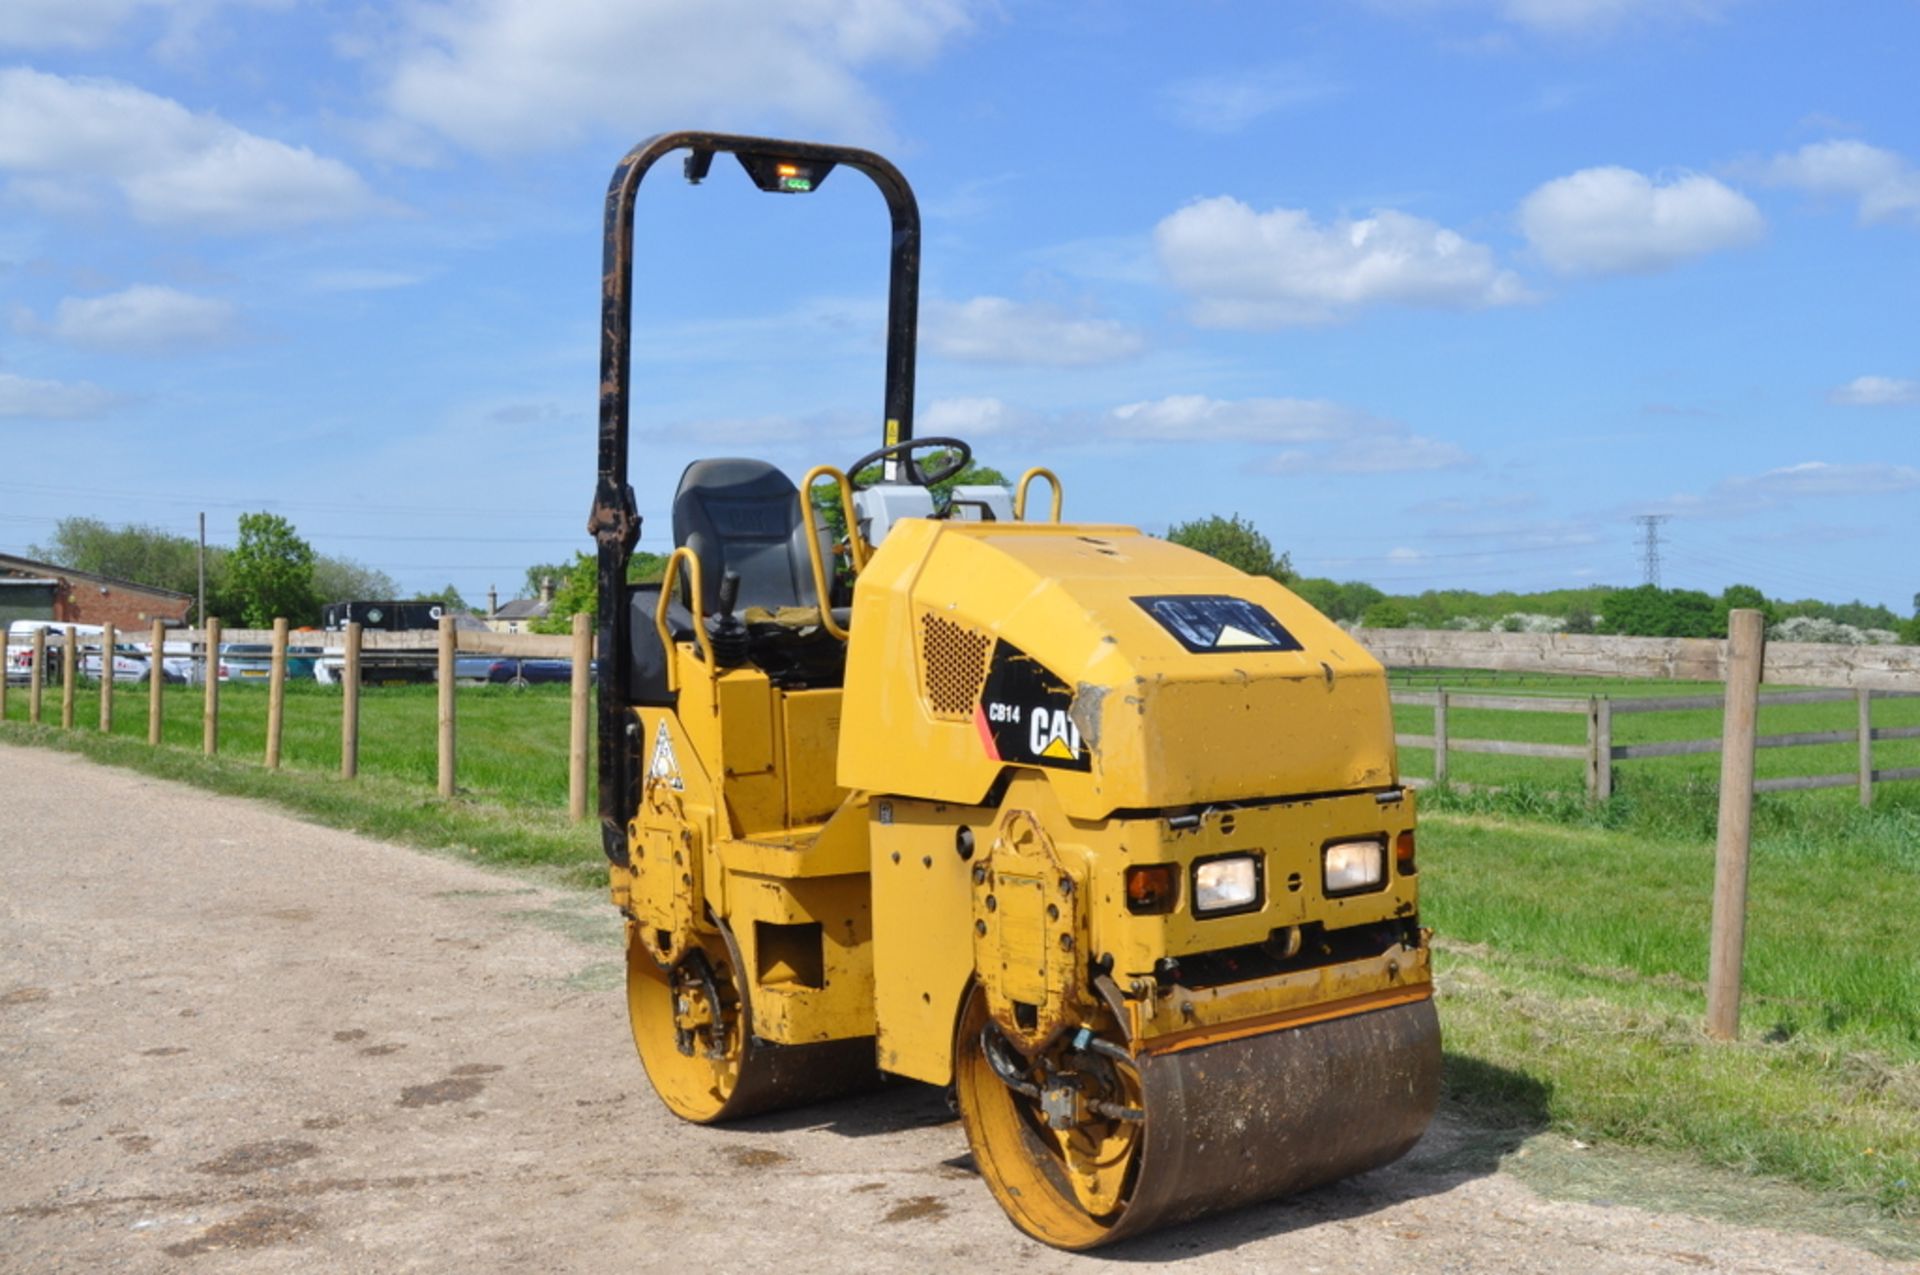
(131, 660)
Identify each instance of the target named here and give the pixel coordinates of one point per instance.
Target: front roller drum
(693, 1026)
(1225, 1124)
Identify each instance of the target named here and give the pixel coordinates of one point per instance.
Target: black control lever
(729, 634)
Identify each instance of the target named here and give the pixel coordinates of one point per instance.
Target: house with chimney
(518, 615)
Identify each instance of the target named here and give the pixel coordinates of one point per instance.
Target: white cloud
(968, 418)
(26, 398)
(64, 138)
(1819, 478)
(141, 319)
(1251, 269)
(1231, 100)
(1876, 391)
(1572, 17)
(1744, 494)
(1886, 185)
(503, 75)
(997, 330)
(88, 24)
(1616, 221)
(1319, 436)
(1395, 454)
(1563, 17)
(1183, 418)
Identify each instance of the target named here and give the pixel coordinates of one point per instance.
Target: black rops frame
(614, 522)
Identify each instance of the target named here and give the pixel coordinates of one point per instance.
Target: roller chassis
(922, 860)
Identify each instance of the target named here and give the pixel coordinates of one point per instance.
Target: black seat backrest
(744, 516)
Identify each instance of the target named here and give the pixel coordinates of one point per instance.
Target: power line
(1650, 550)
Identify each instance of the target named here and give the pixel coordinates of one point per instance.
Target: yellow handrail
(668, 579)
(1020, 492)
(854, 546)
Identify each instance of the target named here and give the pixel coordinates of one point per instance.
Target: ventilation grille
(953, 660)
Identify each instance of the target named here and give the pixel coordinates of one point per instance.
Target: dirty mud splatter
(258, 1157)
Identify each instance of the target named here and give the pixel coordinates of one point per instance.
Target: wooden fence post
(577, 750)
(107, 637)
(1439, 737)
(37, 679)
(1866, 748)
(1599, 748)
(350, 705)
(446, 705)
(277, 692)
(156, 678)
(210, 712)
(1746, 647)
(69, 675)
(6, 656)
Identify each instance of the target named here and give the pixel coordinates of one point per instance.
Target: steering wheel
(960, 457)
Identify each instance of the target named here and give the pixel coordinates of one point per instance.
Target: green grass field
(1572, 939)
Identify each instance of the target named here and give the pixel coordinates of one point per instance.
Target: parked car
(130, 661)
(510, 670)
(253, 662)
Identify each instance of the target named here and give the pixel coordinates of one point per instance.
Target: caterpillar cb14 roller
(1100, 833)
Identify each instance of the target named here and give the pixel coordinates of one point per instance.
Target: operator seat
(744, 516)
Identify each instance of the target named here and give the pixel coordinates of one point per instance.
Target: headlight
(1230, 884)
(1352, 866)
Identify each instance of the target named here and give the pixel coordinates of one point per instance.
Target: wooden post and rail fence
(1742, 663)
(202, 646)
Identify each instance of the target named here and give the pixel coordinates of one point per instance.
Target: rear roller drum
(693, 1026)
(1083, 1145)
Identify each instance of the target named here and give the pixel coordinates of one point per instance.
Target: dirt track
(233, 1041)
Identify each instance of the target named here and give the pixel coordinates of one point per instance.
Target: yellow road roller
(1101, 834)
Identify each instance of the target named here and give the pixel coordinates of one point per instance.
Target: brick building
(32, 590)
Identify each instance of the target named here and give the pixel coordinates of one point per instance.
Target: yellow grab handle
(668, 579)
(1020, 492)
(814, 557)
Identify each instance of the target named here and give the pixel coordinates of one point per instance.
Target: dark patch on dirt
(349, 1036)
(322, 1122)
(757, 1157)
(258, 1227)
(864, 1187)
(476, 1069)
(165, 1051)
(919, 1207)
(24, 996)
(136, 1143)
(452, 1089)
(290, 914)
(189, 1013)
(73, 1099)
(380, 1051)
(257, 1157)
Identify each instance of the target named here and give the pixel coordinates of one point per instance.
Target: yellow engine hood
(1140, 674)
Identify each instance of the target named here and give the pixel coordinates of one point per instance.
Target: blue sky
(1436, 292)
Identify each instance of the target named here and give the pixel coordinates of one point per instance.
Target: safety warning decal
(1204, 622)
(664, 764)
(1024, 714)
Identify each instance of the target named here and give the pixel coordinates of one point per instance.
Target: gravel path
(232, 1041)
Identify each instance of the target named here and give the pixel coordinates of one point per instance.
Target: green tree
(270, 572)
(1234, 541)
(344, 580)
(540, 572)
(1654, 612)
(577, 587)
(1580, 618)
(448, 597)
(1384, 615)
